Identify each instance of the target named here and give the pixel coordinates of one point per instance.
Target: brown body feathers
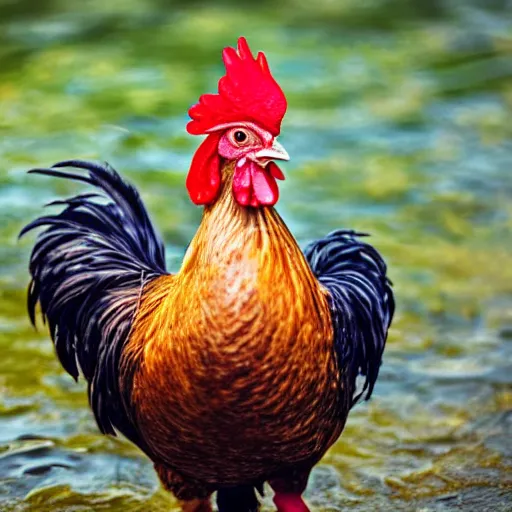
(231, 362)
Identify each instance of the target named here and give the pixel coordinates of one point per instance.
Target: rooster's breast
(235, 378)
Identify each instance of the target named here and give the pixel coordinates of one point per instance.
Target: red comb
(247, 93)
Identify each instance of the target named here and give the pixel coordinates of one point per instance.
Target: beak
(276, 152)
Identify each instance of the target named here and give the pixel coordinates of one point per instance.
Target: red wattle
(242, 184)
(275, 171)
(264, 185)
(254, 185)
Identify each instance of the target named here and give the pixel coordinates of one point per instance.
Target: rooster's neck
(231, 233)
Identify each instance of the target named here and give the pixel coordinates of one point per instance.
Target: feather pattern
(360, 298)
(88, 267)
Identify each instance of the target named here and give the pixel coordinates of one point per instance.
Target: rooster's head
(242, 122)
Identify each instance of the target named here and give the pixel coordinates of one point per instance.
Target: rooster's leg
(289, 502)
(288, 490)
(237, 499)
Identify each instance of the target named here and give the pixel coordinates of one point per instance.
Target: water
(398, 125)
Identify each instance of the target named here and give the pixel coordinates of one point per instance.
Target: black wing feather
(88, 268)
(361, 301)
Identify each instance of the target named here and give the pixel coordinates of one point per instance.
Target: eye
(241, 137)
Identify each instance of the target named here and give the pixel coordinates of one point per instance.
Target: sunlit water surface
(399, 125)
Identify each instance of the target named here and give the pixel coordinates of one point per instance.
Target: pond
(399, 125)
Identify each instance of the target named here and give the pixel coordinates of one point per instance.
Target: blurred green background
(399, 124)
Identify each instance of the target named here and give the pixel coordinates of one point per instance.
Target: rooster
(241, 368)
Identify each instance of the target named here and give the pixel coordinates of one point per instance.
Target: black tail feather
(361, 301)
(88, 267)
